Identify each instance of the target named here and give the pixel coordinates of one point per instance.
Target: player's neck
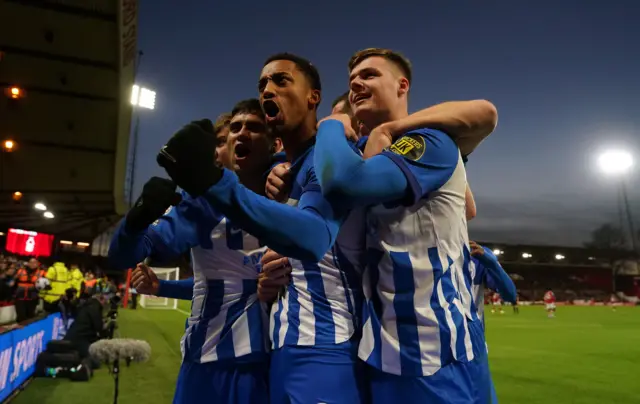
(295, 141)
(253, 181)
(388, 116)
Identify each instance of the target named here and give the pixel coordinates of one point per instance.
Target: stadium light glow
(526, 255)
(1, 233)
(82, 244)
(17, 196)
(66, 242)
(559, 257)
(40, 206)
(9, 145)
(498, 252)
(143, 97)
(615, 162)
(14, 92)
(48, 215)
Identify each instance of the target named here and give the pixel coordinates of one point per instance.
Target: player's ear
(277, 145)
(403, 86)
(314, 99)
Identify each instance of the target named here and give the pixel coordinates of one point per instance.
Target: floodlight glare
(48, 215)
(40, 206)
(615, 162)
(143, 97)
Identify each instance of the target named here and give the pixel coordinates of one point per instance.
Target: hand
(145, 281)
(275, 275)
(349, 132)
(476, 249)
(279, 182)
(158, 194)
(382, 131)
(189, 158)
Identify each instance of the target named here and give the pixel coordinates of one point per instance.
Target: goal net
(155, 302)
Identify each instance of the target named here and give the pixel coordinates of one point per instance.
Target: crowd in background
(33, 287)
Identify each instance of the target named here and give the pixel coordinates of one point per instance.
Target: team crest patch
(409, 146)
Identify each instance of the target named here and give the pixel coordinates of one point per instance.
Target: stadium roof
(66, 71)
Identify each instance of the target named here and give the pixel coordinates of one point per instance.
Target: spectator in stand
(75, 278)
(10, 274)
(26, 294)
(58, 275)
(90, 284)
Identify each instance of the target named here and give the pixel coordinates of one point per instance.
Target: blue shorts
(313, 375)
(206, 383)
(456, 383)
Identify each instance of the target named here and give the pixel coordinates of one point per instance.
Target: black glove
(158, 194)
(189, 158)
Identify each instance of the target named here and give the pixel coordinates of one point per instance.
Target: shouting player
(225, 346)
(313, 323)
(417, 338)
(550, 303)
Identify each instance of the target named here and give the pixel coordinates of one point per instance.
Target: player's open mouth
(360, 97)
(241, 151)
(271, 111)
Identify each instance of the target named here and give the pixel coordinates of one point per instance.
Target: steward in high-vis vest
(58, 275)
(90, 284)
(26, 295)
(75, 279)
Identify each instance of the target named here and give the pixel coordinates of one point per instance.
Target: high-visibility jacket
(58, 275)
(90, 286)
(26, 284)
(75, 280)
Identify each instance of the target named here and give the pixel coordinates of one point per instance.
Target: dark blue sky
(564, 75)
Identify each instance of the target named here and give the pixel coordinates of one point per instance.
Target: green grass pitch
(586, 355)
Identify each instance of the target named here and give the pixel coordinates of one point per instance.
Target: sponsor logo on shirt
(411, 147)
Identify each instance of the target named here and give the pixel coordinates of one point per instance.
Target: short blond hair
(222, 122)
(396, 58)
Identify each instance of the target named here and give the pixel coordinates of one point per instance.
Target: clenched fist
(278, 183)
(275, 276)
(145, 281)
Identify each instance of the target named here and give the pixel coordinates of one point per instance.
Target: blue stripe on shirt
(445, 336)
(404, 307)
(249, 287)
(212, 305)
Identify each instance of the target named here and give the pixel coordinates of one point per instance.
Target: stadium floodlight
(40, 206)
(48, 215)
(82, 244)
(615, 162)
(559, 257)
(143, 97)
(526, 255)
(498, 252)
(66, 242)
(8, 145)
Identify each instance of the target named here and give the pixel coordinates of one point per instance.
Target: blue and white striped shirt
(322, 304)
(227, 322)
(417, 284)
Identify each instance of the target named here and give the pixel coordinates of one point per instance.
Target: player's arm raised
(497, 277)
(305, 232)
(147, 232)
(418, 163)
(467, 122)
